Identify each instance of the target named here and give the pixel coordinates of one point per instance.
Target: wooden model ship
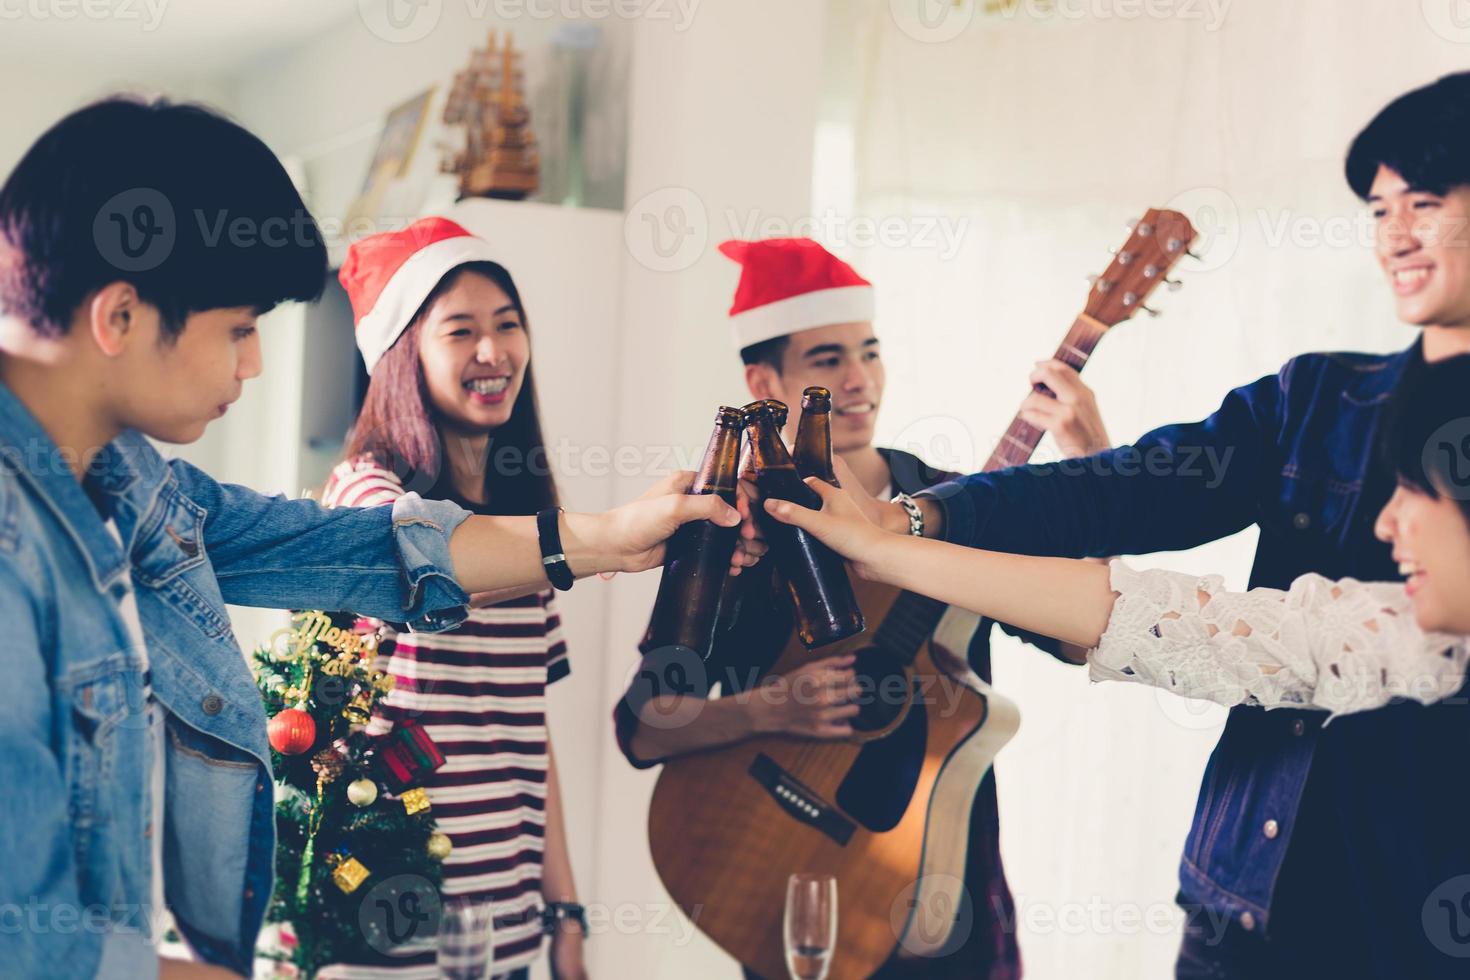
(489, 99)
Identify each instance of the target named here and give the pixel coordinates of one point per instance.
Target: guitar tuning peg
(1130, 298)
(1130, 224)
(1153, 313)
(1174, 285)
(1196, 256)
(1092, 279)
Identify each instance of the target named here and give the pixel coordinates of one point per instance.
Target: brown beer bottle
(826, 609)
(813, 450)
(698, 557)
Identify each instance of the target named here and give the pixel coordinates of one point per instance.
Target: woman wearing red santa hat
(445, 338)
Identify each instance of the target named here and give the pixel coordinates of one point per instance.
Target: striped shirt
(479, 691)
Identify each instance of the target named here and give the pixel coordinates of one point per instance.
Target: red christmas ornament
(291, 731)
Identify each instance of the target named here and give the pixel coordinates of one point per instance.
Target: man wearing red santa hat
(803, 317)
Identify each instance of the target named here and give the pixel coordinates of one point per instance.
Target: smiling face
(1431, 542)
(171, 391)
(843, 357)
(474, 351)
(1423, 246)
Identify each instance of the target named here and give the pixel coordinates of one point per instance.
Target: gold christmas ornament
(415, 800)
(439, 846)
(349, 874)
(362, 792)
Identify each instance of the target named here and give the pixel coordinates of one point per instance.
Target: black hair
(772, 352)
(1426, 433)
(1423, 136)
(190, 208)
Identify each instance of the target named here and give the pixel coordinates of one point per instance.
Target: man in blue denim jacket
(1315, 851)
(138, 244)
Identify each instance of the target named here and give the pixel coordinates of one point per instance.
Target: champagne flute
(811, 925)
(466, 939)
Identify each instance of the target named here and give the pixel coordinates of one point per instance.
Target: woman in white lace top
(1340, 646)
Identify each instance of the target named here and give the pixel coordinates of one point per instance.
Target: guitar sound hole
(883, 690)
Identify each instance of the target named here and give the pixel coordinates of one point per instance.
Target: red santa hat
(791, 284)
(389, 275)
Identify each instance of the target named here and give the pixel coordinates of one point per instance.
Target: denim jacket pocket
(170, 561)
(211, 789)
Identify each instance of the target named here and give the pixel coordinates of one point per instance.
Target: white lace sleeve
(1339, 646)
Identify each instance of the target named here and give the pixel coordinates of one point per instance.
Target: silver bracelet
(911, 508)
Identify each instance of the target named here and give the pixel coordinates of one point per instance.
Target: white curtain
(996, 167)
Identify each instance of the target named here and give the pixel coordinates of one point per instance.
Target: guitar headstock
(1158, 241)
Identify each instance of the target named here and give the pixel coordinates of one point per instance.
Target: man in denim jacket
(138, 244)
(1338, 851)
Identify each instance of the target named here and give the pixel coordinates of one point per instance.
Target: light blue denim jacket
(75, 820)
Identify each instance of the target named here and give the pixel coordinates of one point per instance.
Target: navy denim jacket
(75, 820)
(1294, 454)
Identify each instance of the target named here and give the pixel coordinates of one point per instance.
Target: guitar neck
(1021, 439)
(913, 618)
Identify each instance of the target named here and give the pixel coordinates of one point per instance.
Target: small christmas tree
(358, 859)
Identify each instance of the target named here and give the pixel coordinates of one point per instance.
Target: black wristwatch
(548, 529)
(557, 911)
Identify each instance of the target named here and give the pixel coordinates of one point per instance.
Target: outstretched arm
(1338, 646)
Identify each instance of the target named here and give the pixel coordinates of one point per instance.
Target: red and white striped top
(479, 690)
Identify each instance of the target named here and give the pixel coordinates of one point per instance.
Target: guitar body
(880, 811)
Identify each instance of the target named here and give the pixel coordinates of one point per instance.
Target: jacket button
(249, 894)
(213, 704)
(1271, 829)
(1247, 921)
(148, 831)
(1298, 727)
(260, 787)
(1302, 521)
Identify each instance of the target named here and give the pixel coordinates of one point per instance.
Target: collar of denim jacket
(28, 452)
(1375, 383)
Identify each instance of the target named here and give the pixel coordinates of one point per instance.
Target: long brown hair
(398, 425)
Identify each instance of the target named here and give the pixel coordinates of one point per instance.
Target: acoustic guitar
(887, 811)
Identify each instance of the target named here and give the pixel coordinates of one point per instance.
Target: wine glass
(811, 925)
(466, 939)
